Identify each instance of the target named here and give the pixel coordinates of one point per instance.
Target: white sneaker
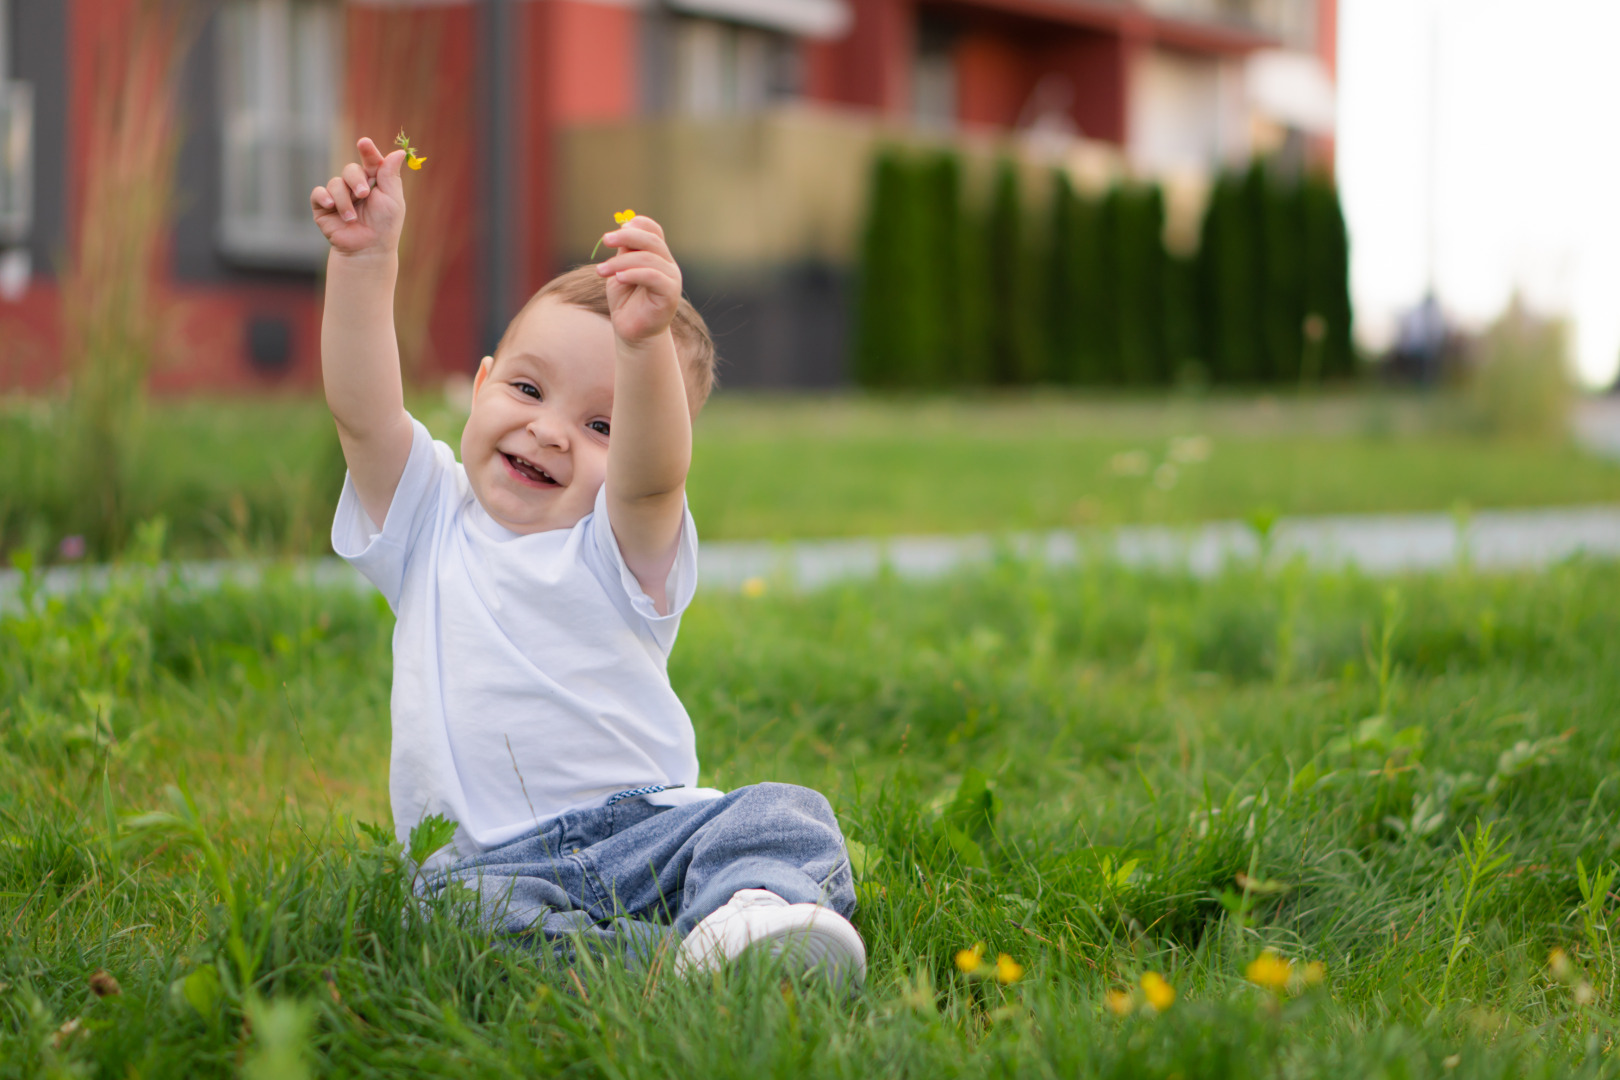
(808, 934)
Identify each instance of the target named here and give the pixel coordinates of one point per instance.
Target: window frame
(255, 236)
(17, 144)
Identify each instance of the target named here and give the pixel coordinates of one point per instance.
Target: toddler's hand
(362, 211)
(644, 284)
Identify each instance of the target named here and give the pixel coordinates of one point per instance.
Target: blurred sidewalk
(1597, 425)
(1373, 544)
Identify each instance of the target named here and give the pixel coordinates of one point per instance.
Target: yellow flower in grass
(1008, 970)
(1270, 971)
(1158, 991)
(753, 588)
(971, 960)
(1120, 1002)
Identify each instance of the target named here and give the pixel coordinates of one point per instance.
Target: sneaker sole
(833, 945)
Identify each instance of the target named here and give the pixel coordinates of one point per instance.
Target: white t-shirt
(529, 671)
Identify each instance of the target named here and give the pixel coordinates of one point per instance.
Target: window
(722, 67)
(16, 143)
(279, 76)
(933, 75)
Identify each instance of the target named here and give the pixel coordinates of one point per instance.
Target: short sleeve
(382, 554)
(679, 587)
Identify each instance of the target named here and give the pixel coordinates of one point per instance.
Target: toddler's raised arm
(361, 212)
(650, 442)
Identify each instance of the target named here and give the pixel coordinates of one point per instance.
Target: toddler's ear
(484, 367)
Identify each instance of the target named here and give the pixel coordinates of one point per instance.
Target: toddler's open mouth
(533, 474)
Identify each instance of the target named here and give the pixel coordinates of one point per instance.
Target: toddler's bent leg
(780, 837)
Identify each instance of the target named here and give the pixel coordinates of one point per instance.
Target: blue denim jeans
(625, 877)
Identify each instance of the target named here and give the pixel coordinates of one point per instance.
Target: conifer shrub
(1273, 276)
(961, 289)
(1229, 260)
(878, 335)
(953, 293)
(1085, 314)
(1014, 320)
(893, 318)
(922, 290)
(1330, 352)
(1065, 327)
(1282, 273)
(1183, 331)
(1138, 264)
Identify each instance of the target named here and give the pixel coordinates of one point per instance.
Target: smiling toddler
(538, 585)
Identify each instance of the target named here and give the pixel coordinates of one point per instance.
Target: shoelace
(650, 789)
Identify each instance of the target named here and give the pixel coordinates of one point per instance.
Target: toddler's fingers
(356, 177)
(388, 173)
(636, 260)
(642, 221)
(341, 202)
(320, 201)
(370, 156)
(653, 280)
(630, 238)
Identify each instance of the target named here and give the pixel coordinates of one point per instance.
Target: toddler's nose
(548, 432)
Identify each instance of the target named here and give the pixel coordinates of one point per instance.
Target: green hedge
(951, 293)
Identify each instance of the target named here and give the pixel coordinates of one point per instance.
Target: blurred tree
(1015, 333)
(114, 309)
(1065, 327)
(1139, 274)
(1327, 322)
(1183, 335)
(1094, 244)
(1229, 272)
(939, 194)
(1283, 268)
(963, 292)
(880, 318)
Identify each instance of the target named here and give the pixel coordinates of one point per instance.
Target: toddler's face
(535, 445)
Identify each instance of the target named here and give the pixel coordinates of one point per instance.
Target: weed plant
(1101, 774)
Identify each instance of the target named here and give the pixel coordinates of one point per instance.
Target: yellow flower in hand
(1158, 991)
(620, 217)
(412, 158)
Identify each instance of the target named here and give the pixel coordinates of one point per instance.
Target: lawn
(262, 477)
(1100, 774)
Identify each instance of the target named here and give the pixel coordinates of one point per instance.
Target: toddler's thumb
(388, 175)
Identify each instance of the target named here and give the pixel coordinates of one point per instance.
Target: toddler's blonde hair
(584, 288)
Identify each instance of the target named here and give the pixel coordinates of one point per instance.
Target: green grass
(1101, 774)
(261, 477)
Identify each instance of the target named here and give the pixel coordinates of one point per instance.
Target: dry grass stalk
(114, 307)
(405, 72)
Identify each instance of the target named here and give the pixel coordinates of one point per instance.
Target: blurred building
(746, 126)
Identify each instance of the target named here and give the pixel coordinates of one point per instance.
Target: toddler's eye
(599, 426)
(529, 389)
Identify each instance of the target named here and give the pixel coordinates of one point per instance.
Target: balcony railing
(780, 186)
(1292, 22)
(16, 161)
